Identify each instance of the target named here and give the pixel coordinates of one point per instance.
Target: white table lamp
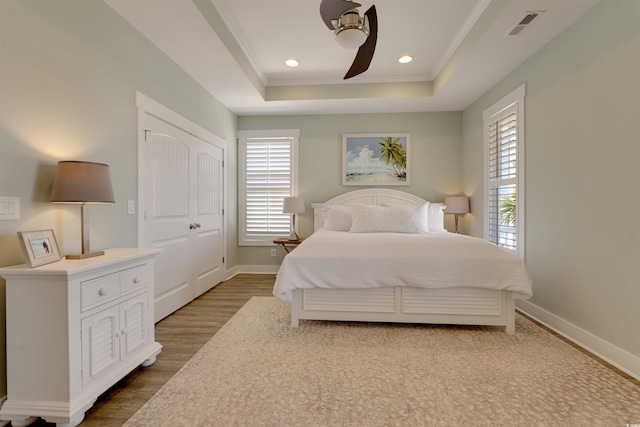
(293, 206)
(458, 205)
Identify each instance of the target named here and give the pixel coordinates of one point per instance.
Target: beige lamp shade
(82, 182)
(294, 205)
(456, 205)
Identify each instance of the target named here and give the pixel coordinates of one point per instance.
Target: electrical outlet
(273, 252)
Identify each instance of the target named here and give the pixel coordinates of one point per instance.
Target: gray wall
(435, 150)
(68, 74)
(582, 160)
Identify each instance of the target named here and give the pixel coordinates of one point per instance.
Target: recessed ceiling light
(291, 63)
(405, 59)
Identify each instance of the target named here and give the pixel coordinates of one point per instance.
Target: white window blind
(504, 173)
(268, 176)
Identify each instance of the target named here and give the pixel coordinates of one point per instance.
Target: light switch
(131, 207)
(9, 208)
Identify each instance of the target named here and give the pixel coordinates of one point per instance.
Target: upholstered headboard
(371, 196)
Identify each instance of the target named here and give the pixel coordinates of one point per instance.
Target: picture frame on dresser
(39, 247)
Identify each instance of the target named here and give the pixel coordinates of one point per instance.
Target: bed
(382, 255)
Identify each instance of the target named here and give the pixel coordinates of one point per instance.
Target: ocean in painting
(364, 163)
(374, 177)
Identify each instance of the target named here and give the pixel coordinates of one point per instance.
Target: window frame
(513, 102)
(244, 239)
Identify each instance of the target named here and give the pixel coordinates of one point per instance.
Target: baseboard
(608, 352)
(231, 272)
(252, 269)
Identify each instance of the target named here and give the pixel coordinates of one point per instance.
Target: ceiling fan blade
(333, 10)
(365, 52)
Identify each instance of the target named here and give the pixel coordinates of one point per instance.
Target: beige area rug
(258, 371)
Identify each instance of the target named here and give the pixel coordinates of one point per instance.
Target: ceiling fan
(352, 30)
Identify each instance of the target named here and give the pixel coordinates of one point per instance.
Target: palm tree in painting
(393, 153)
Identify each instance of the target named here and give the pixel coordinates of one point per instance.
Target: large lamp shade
(82, 183)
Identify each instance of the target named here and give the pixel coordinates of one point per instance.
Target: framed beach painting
(375, 158)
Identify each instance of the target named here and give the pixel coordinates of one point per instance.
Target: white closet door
(183, 201)
(207, 214)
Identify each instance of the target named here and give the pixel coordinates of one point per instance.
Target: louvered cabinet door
(134, 325)
(100, 343)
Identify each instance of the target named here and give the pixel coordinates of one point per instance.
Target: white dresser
(75, 328)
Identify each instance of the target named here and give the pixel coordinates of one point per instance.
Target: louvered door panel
(100, 343)
(135, 331)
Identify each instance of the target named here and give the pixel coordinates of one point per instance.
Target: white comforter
(338, 259)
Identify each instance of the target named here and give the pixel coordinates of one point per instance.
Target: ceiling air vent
(524, 23)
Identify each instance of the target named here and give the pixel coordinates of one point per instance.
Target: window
(268, 174)
(504, 172)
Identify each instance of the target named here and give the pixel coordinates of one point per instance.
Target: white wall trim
(251, 269)
(258, 269)
(608, 352)
(158, 110)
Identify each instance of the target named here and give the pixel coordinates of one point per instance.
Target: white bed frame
(458, 306)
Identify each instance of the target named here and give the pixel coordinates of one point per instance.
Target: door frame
(147, 106)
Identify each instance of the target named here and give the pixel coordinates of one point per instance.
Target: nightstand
(286, 244)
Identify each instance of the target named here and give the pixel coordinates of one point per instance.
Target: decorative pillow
(393, 219)
(436, 217)
(338, 218)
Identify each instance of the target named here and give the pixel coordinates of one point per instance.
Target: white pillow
(338, 218)
(436, 217)
(393, 219)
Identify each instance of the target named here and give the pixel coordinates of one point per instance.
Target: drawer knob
(102, 292)
(136, 279)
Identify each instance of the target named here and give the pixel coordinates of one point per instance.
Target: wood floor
(182, 334)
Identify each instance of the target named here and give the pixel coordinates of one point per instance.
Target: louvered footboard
(455, 306)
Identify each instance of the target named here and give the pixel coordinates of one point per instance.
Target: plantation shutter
(267, 174)
(268, 182)
(502, 169)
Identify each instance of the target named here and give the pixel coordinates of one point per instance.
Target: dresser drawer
(135, 278)
(99, 291)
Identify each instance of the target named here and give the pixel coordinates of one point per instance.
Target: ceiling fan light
(351, 32)
(350, 38)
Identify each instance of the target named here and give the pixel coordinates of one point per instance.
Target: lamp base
(83, 256)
